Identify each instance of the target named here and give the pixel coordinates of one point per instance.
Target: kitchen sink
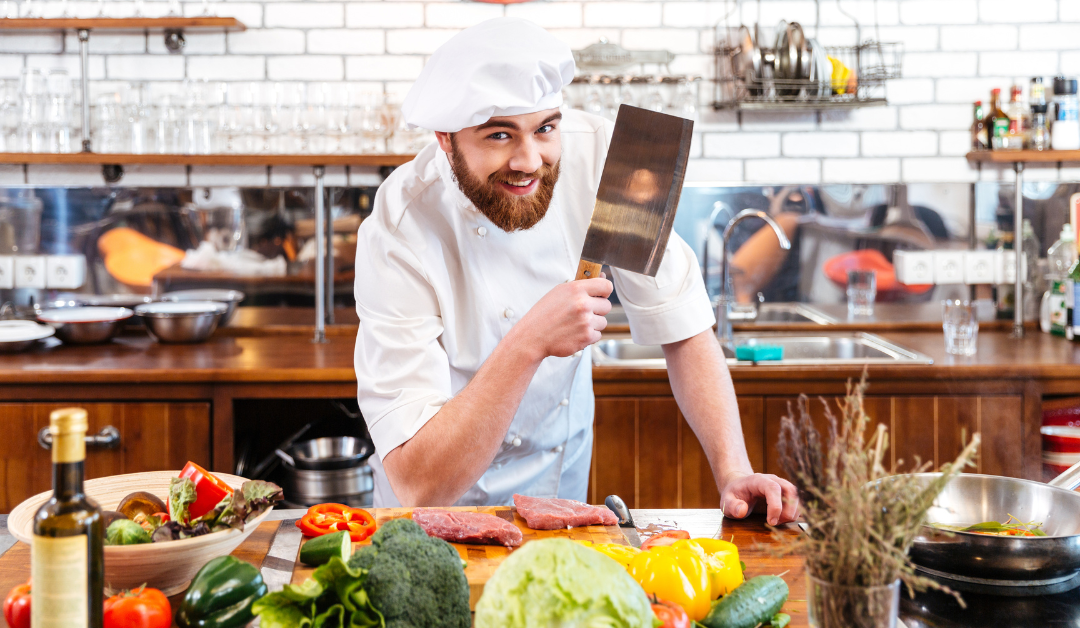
(841, 348)
(767, 313)
(790, 313)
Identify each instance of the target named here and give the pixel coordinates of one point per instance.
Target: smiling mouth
(524, 187)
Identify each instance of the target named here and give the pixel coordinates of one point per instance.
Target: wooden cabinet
(153, 436)
(646, 452)
(925, 429)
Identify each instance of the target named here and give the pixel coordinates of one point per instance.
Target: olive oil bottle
(67, 561)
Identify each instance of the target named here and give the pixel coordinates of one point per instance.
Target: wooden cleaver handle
(588, 270)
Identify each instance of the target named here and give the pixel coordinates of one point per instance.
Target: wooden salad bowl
(168, 566)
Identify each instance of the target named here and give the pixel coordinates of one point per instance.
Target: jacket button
(508, 313)
(559, 449)
(516, 442)
(564, 402)
(481, 231)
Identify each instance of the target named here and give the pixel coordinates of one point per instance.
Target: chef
(473, 355)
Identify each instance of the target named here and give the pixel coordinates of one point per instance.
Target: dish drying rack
(761, 68)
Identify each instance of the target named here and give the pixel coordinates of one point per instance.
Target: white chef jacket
(438, 286)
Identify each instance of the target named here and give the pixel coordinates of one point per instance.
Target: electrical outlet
(29, 271)
(65, 272)
(7, 272)
(914, 268)
(980, 267)
(948, 267)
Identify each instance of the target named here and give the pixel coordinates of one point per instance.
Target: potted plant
(860, 519)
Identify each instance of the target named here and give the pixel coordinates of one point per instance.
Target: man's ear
(444, 141)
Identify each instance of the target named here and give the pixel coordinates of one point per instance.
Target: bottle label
(60, 572)
(1001, 127)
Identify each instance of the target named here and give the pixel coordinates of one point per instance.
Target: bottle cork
(68, 428)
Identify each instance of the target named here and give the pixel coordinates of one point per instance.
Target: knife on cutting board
(638, 194)
(626, 523)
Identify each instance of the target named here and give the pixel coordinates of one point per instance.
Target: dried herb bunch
(862, 520)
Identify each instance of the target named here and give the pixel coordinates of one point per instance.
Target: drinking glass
(60, 110)
(961, 326)
(861, 292)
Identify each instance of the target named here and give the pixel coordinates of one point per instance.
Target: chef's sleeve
(670, 307)
(402, 371)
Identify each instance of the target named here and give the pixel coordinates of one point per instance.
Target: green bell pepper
(221, 595)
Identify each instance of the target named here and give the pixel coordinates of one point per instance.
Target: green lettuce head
(557, 582)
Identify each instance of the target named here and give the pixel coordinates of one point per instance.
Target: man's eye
(501, 135)
(547, 128)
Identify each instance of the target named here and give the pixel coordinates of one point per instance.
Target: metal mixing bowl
(231, 298)
(182, 322)
(86, 325)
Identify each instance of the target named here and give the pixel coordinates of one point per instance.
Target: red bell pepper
(209, 490)
(326, 518)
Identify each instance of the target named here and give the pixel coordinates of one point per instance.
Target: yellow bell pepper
(622, 554)
(677, 575)
(721, 561)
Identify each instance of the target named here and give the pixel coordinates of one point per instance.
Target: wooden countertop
(136, 359)
(750, 535)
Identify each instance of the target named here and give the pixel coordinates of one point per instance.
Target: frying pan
(1003, 561)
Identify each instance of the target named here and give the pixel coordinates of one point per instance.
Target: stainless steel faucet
(727, 296)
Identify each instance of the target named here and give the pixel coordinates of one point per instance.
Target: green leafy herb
(780, 620)
(1011, 527)
(126, 532)
(181, 497)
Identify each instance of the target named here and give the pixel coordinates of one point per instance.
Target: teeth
(520, 184)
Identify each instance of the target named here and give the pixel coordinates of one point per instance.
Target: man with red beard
(473, 355)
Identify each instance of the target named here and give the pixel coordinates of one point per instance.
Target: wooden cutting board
(482, 560)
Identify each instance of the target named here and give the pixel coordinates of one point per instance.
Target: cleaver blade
(638, 194)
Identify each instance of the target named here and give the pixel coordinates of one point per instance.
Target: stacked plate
(21, 335)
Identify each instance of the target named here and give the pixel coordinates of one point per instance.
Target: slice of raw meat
(551, 514)
(467, 527)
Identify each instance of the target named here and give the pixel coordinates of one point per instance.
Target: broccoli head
(414, 580)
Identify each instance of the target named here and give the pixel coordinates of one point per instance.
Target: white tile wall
(955, 52)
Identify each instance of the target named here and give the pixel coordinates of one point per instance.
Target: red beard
(504, 210)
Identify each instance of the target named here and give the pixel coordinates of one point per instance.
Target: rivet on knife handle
(588, 270)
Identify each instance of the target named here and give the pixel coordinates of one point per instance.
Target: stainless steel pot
(353, 486)
(326, 454)
(1003, 561)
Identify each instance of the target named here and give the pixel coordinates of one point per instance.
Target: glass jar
(838, 606)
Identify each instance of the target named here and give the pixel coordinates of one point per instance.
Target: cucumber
(321, 549)
(751, 603)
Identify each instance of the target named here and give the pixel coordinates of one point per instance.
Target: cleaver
(639, 191)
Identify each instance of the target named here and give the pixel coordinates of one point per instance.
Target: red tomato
(17, 607)
(671, 614)
(138, 608)
(209, 491)
(665, 538)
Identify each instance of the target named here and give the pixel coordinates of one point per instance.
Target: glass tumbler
(861, 292)
(961, 326)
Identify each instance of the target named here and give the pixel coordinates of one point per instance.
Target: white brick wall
(955, 52)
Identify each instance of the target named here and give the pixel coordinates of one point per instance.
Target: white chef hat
(502, 67)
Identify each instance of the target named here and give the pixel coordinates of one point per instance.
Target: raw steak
(552, 514)
(467, 527)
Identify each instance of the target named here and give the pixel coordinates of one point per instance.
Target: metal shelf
(810, 105)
